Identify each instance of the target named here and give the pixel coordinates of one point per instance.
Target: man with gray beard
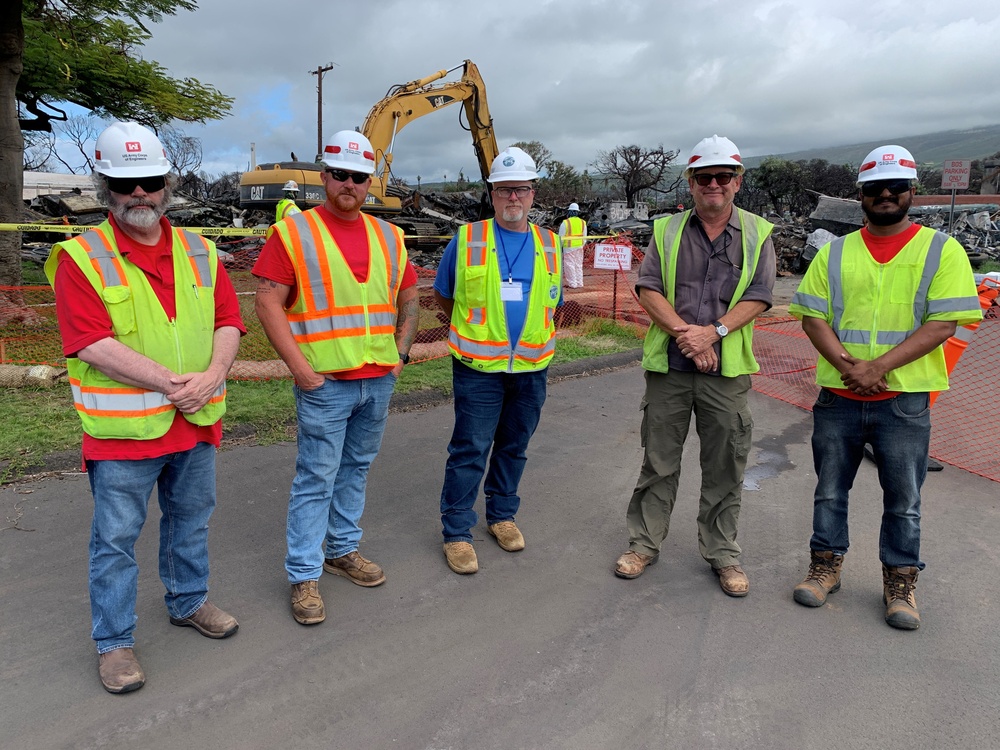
(150, 325)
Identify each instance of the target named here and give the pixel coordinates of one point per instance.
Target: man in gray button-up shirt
(706, 275)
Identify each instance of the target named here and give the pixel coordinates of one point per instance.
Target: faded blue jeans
(493, 410)
(186, 484)
(339, 434)
(898, 430)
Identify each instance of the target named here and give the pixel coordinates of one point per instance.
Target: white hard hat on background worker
(714, 152)
(888, 163)
(574, 207)
(127, 149)
(291, 187)
(512, 164)
(348, 149)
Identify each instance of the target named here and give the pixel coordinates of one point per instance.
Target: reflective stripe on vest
(361, 316)
(476, 240)
(932, 263)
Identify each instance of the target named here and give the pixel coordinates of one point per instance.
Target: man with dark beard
(337, 298)
(877, 305)
(150, 326)
(499, 282)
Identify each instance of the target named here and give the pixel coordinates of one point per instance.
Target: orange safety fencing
(964, 432)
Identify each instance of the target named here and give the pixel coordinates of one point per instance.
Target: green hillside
(929, 149)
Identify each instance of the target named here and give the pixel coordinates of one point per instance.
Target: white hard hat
(888, 163)
(512, 164)
(348, 149)
(127, 149)
(713, 152)
(291, 185)
(573, 207)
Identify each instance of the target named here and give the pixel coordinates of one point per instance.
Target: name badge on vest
(510, 291)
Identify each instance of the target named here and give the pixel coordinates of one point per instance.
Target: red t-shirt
(882, 249)
(351, 237)
(84, 320)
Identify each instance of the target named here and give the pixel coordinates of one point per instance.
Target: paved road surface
(542, 649)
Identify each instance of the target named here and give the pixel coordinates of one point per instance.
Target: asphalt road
(544, 648)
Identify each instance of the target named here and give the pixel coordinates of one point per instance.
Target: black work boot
(822, 579)
(900, 602)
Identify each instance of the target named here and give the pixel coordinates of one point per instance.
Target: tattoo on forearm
(406, 324)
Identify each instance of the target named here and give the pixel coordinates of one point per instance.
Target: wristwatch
(404, 358)
(720, 329)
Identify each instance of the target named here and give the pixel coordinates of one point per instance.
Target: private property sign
(611, 256)
(955, 174)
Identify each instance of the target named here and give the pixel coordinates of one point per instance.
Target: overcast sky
(585, 76)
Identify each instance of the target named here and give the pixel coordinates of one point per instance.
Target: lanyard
(510, 266)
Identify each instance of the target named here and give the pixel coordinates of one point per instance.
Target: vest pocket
(121, 308)
(475, 286)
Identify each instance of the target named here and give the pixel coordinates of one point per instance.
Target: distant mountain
(932, 148)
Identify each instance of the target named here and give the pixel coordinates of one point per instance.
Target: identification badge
(510, 291)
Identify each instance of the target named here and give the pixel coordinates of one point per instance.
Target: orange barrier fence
(964, 418)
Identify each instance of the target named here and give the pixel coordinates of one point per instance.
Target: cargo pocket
(121, 309)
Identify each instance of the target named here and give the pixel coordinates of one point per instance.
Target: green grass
(988, 267)
(259, 410)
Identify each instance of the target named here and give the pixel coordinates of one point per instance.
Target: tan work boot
(733, 580)
(120, 671)
(900, 602)
(210, 621)
(632, 564)
(307, 604)
(461, 557)
(507, 535)
(822, 579)
(356, 569)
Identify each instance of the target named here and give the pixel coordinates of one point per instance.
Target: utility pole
(320, 70)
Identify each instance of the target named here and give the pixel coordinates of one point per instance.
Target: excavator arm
(406, 102)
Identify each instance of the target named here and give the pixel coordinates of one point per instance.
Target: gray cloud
(587, 76)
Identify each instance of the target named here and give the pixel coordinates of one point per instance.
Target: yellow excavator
(261, 188)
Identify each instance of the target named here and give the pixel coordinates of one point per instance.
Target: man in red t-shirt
(150, 326)
(337, 299)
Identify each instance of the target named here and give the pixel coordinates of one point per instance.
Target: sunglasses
(722, 178)
(127, 185)
(522, 191)
(874, 189)
(342, 175)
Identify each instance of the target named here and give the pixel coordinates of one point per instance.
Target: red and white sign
(611, 256)
(132, 147)
(955, 174)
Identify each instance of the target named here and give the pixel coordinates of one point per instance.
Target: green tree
(536, 151)
(88, 53)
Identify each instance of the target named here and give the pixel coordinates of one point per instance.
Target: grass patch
(47, 423)
(988, 267)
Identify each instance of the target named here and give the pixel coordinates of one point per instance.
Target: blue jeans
(339, 434)
(492, 410)
(898, 430)
(121, 489)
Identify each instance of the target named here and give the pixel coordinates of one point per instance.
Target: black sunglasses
(127, 185)
(722, 178)
(874, 189)
(342, 175)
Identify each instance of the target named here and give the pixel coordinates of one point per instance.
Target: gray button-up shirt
(707, 275)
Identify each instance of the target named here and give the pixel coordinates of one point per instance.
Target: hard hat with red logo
(512, 164)
(888, 163)
(348, 149)
(127, 149)
(714, 152)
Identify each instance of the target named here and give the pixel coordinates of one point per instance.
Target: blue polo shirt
(515, 252)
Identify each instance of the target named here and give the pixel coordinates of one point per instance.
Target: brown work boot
(307, 604)
(822, 579)
(210, 621)
(733, 580)
(900, 602)
(461, 557)
(356, 569)
(120, 671)
(507, 535)
(631, 564)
